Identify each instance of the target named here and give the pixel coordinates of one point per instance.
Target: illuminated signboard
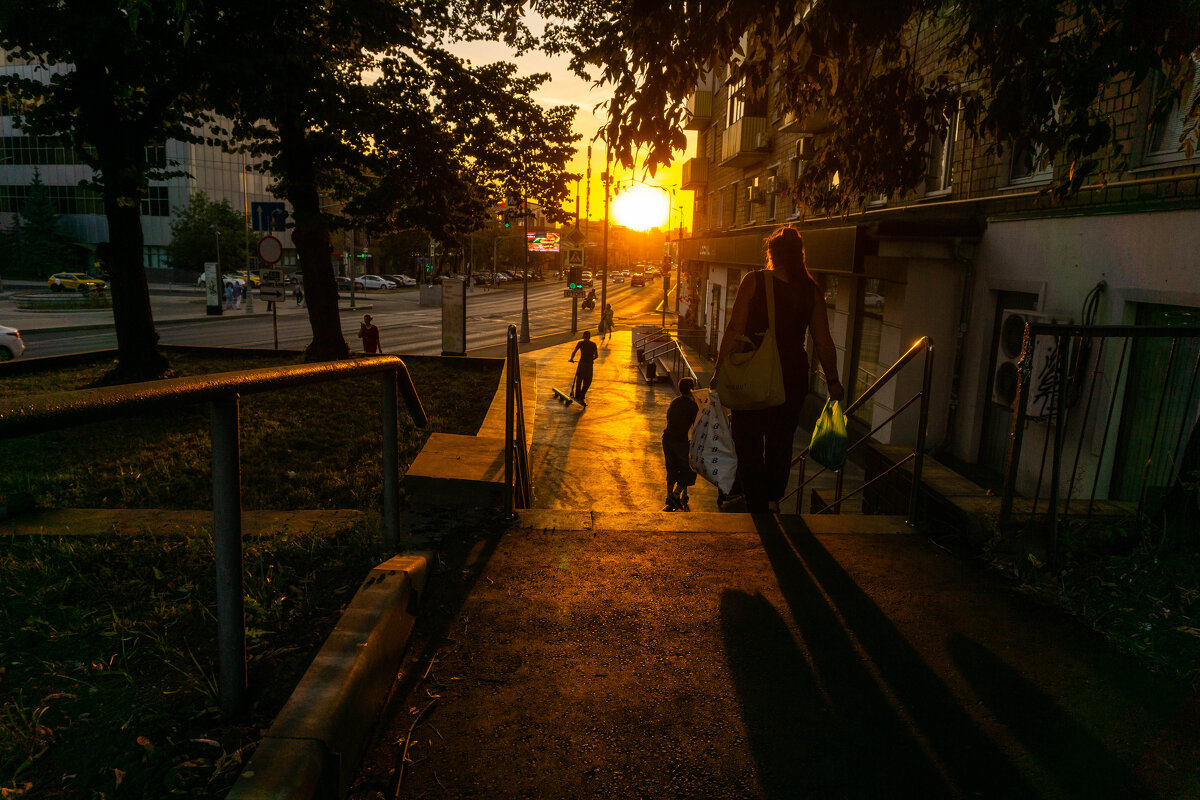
(546, 242)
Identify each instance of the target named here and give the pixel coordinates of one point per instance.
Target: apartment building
(204, 168)
(975, 244)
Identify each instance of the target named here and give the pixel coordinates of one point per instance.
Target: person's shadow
(850, 709)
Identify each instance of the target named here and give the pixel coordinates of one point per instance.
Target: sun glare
(640, 208)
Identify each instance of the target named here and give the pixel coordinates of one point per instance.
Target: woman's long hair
(785, 251)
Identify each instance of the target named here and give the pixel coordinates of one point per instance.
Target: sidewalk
(598, 648)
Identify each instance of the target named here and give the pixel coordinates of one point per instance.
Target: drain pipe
(964, 313)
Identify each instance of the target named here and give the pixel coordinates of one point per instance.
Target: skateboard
(564, 398)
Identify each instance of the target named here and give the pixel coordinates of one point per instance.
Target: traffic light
(575, 278)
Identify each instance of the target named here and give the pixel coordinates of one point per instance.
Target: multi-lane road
(405, 325)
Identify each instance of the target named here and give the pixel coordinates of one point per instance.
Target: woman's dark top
(793, 311)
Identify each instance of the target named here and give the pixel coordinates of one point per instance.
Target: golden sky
(565, 88)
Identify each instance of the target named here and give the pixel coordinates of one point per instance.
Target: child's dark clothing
(680, 416)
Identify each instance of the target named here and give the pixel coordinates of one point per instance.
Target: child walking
(680, 475)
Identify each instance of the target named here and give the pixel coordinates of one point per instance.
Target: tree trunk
(138, 356)
(311, 237)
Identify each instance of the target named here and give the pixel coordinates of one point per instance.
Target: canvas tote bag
(753, 379)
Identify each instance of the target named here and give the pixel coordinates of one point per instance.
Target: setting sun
(641, 207)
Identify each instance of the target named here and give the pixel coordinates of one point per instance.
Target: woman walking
(763, 437)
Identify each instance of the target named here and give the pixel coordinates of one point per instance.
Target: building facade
(975, 243)
(203, 168)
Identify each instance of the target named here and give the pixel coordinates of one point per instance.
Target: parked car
(402, 280)
(373, 282)
(343, 283)
(637, 279)
(11, 344)
(226, 280)
(75, 281)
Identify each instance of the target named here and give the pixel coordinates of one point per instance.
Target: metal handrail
(518, 484)
(917, 456)
(671, 345)
(59, 410)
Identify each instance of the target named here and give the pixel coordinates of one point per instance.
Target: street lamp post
(604, 177)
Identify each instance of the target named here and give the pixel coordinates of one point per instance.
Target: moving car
(402, 280)
(226, 280)
(637, 279)
(75, 281)
(11, 344)
(253, 277)
(618, 278)
(586, 278)
(343, 283)
(373, 282)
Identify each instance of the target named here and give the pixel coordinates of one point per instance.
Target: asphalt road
(405, 326)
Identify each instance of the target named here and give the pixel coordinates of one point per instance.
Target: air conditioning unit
(1043, 377)
(754, 194)
(774, 184)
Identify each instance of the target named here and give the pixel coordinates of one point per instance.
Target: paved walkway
(596, 649)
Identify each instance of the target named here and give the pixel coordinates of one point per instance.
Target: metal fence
(25, 416)
(1118, 401)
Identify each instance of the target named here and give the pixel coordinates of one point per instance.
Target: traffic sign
(574, 256)
(273, 286)
(573, 293)
(270, 249)
(268, 216)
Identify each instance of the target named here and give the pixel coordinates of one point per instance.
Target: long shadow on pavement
(1077, 760)
(884, 717)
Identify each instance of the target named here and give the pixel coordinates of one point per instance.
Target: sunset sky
(564, 88)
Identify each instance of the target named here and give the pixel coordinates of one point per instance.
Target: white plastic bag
(712, 454)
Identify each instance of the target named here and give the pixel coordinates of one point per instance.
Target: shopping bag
(711, 453)
(828, 445)
(752, 377)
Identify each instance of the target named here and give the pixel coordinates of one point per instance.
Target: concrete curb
(313, 748)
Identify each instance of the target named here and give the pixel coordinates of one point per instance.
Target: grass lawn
(107, 678)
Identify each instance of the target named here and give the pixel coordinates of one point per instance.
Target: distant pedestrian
(606, 323)
(298, 293)
(229, 295)
(588, 353)
(680, 475)
(369, 333)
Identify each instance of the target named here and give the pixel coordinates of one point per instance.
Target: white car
(226, 280)
(11, 344)
(373, 282)
(403, 280)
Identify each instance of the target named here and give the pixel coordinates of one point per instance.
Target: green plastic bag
(829, 439)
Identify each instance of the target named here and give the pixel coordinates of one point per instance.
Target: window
(1026, 168)
(867, 368)
(940, 175)
(733, 205)
(38, 150)
(155, 203)
(772, 198)
(155, 257)
(1163, 143)
(156, 157)
(66, 199)
(736, 103)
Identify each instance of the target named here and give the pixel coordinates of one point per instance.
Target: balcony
(816, 122)
(695, 173)
(699, 107)
(744, 142)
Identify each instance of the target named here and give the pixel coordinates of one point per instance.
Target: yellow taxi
(74, 281)
(251, 277)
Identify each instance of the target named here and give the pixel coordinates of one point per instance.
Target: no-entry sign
(270, 250)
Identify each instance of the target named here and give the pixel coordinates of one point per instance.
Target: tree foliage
(198, 227)
(38, 245)
(114, 77)
(367, 116)
(1029, 74)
